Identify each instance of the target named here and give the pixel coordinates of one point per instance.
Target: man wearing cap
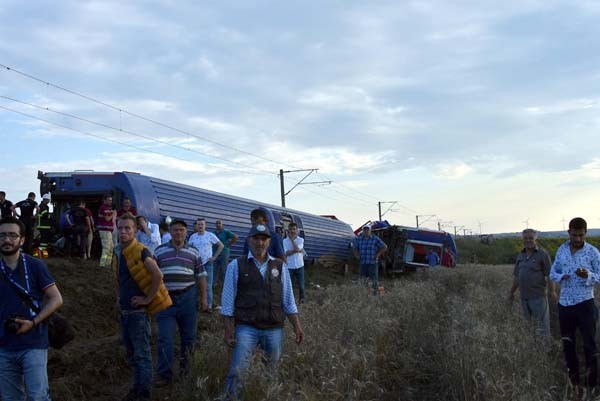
(257, 296)
(367, 249)
(182, 270)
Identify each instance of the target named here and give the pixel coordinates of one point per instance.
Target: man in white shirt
(204, 241)
(577, 268)
(293, 246)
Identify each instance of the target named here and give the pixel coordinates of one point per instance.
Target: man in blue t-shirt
(259, 217)
(228, 238)
(23, 333)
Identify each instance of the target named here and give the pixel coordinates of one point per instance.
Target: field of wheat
(441, 334)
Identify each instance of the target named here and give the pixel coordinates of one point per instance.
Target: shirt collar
(251, 257)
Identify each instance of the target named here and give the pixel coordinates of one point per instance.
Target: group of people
(576, 268)
(160, 273)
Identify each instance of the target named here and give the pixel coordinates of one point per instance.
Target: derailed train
(324, 237)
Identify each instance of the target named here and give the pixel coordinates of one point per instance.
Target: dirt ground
(93, 366)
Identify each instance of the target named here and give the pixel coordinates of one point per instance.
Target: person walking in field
(141, 293)
(531, 279)
(368, 248)
(577, 268)
(257, 297)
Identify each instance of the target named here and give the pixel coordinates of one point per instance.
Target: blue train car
(157, 199)
(408, 247)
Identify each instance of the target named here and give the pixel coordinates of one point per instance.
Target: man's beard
(10, 251)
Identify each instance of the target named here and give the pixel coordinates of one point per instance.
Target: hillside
(444, 334)
(504, 250)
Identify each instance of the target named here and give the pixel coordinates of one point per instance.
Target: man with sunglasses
(23, 333)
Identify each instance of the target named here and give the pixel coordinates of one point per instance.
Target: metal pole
(439, 226)
(417, 221)
(282, 188)
(379, 204)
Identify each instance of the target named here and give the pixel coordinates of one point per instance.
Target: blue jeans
(184, 313)
(135, 333)
(209, 283)
(370, 270)
(26, 367)
(298, 275)
(537, 308)
(220, 266)
(247, 338)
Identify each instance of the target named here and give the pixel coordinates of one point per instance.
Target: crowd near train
(166, 265)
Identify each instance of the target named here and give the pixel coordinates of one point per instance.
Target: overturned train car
(325, 238)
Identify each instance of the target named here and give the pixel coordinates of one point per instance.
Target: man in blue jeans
(131, 261)
(204, 241)
(257, 296)
(367, 249)
(293, 245)
(23, 334)
(182, 269)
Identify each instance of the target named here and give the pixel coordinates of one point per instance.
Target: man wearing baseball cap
(257, 296)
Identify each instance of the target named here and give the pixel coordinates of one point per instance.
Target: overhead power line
(170, 127)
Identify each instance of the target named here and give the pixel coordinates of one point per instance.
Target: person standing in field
(368, 248)
(257, 297)
(182, 269)
(23, 334)
(140, 293)
(228, 238)
(203, 241)
(5, 206)
(577, 268)
(531, 279)
(27, 208)
(293, 245)
(105, 225)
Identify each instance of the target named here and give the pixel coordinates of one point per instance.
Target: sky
(476, 115)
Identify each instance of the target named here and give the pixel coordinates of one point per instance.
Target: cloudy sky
(482, 113)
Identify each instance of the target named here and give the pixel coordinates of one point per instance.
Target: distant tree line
(501, 251)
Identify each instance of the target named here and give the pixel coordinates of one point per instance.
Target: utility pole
(387, 210)
(456, 228)
(526, 221)
(563, 221)
(441, 224)
(301, 182)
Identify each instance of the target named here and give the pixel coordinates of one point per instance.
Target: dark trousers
(583, 316)
(29, 225)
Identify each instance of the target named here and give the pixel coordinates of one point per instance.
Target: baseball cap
(365, 228)
(46, 196)
(177, 220)
(259, 229)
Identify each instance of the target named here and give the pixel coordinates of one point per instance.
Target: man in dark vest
(257, 296)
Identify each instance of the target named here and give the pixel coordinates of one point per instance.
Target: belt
(182, 291)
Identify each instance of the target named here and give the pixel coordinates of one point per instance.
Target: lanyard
(12, 280)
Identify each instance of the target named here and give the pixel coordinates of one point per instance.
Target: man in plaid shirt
(367, 249)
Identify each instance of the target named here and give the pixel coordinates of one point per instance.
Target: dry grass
(436, 335)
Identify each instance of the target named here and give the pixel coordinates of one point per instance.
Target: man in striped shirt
(182, 271)
(257, 296)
